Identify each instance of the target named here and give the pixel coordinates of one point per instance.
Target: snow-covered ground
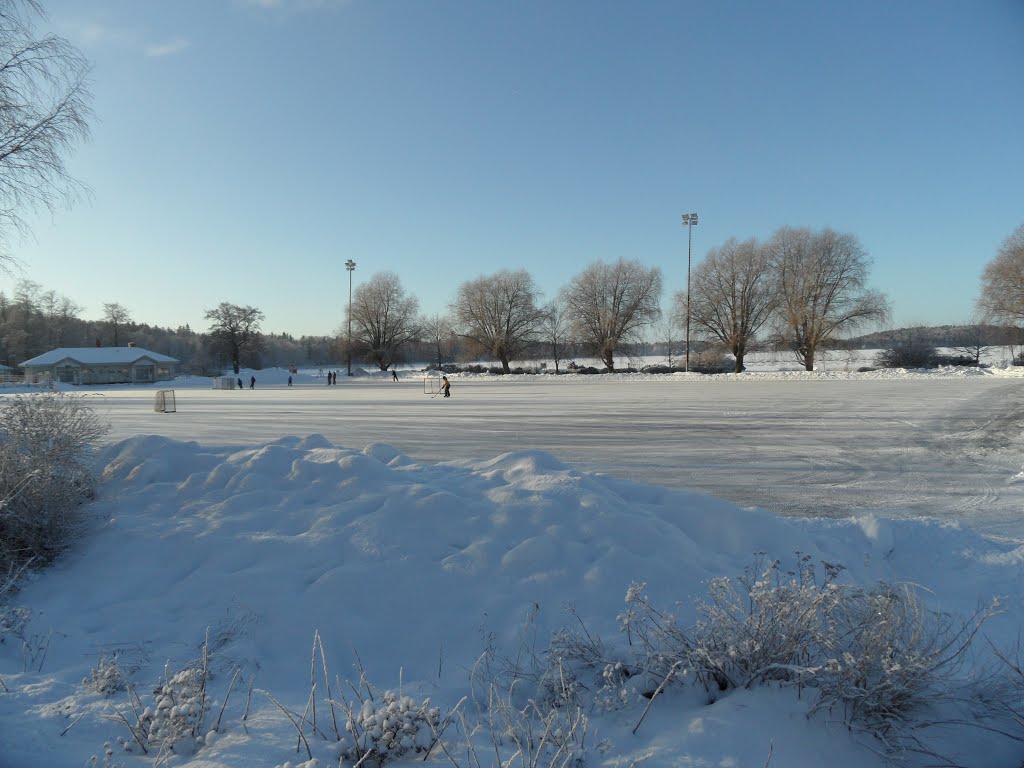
(412, 533)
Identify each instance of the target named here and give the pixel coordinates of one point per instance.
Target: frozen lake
(939, 447)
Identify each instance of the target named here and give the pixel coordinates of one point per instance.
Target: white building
(100, 365)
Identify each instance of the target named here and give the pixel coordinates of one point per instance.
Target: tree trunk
(504, 365)
(609, 362)
(739, 361)
(809, 360)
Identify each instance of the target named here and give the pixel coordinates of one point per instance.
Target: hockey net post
(165, 402)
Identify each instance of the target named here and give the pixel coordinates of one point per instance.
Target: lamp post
(350, 266)
(689, 221)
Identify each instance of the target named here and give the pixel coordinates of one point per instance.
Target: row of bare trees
(501, 315)
(804, 287)
(800, 290)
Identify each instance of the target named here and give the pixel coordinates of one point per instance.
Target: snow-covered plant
(47, 442)
(14, 626)
(106, 677)
(892, 656)
(173, 723)
(176, 720)
(537, 735)
(108, 758)
(665, 647)
(578, 661)
(13, 620)
(1008, 703)
(773, 626)
(394, 726)
(618, 687)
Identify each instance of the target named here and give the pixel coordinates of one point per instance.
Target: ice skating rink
(937, 447)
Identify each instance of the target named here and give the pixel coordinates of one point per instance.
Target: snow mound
(414, 567)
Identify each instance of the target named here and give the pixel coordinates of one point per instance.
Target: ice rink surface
(948, 448)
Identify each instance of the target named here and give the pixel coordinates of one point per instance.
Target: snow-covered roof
(98, 356)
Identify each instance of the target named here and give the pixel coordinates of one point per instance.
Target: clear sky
(245, 149)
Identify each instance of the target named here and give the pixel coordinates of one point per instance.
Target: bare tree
(822, 288)
(385, 318)
(437, 332)
(555, 332)
(499, 313)
(972, 340)
(612, 303)
(44, 114)
(235, 330)
(669, 330)
(116, 315)
(1002, 283)
(732, 295)
(22, 334)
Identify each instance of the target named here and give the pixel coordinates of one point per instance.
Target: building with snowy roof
(101, 365)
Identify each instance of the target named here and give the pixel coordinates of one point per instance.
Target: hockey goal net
(164, 402)
(431, 385)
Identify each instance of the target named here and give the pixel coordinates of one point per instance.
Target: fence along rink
(165, 402)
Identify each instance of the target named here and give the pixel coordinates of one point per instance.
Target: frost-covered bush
(664, 647)
(772, 627)
(890, 657)
(175, 722)
(106, 677)
(877, 656)
(47, 441)
(535, 735)
(395, 726)
(178, 712)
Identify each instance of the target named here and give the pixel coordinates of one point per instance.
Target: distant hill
(938, 336)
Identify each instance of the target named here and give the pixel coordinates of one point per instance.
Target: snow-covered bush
(664, 648)
(174, 721)
(370, 730)
(772, 627)
(388, 728)
(106, 677)
(877, 656)
(579, 662)
(47, 442)
(890, 656)
(533, 736)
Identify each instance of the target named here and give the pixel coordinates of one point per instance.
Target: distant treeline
(939, 336)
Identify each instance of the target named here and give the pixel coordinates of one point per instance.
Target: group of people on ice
(332, 378)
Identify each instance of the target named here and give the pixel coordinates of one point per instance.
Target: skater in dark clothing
(394, 375)
(446, 386)
(289, 381)
(240, 384)
(252, 383)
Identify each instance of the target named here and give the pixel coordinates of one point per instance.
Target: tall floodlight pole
(350, 266)
(689, 221)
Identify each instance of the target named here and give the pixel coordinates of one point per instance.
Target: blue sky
(245, 149)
